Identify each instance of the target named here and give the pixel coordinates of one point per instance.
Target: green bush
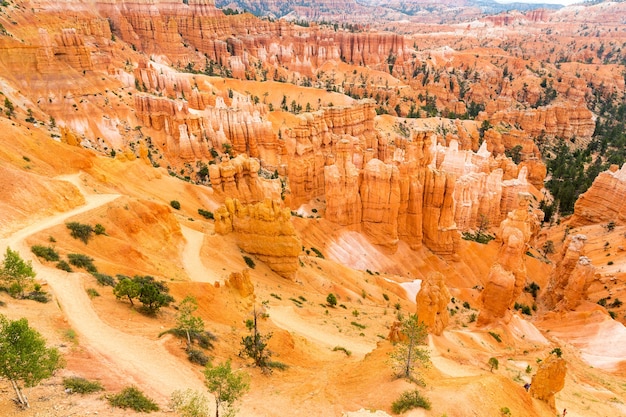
(99, 229)
(64, 266)
(132, 398)
(317, 253)
(81, 385)
(39, 296)
(496, 336)
(91, 292)
(104, 279)
(80, 231)
(197, 356)
(175, 204)
(331, 300)
(206, 214)
(45, 252)
(359, 325)
(409, 400)
(249, 262)
(82, 261)
(277, 365)
(342, 349)
(479, 237)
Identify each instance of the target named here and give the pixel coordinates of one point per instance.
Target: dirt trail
(191, 256)
(134, 359)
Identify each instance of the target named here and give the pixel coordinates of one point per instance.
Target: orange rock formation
(432, 303)
(264, 230)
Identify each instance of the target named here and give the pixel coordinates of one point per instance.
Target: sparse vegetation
(99, 229)
(409, 400)
(254, 346)
(206, 214)
(342, 349)
(24, 357)
(82, 261)
(76, 384)
(64, 266)
(408, 352)
(556, 351)
(17, 274)
(152, 294)
(133, 398)
(226, 385)
(45, 252)
(104, 279)
(493, 364)
(92, 293)
(175, 204)
(82, 232)
(249, 261)
(331, 300)
(496, 336)
(190, 403)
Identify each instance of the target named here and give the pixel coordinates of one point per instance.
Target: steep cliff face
(560, 120)
(507, 276)
(604, 201)
(572, 277)
(264, 230)
(432, 303)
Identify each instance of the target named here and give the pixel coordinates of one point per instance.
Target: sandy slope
(286, 318)
(133, 359)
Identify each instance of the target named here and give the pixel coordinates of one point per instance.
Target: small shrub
(104, 279)
(197, 356)
(175, 204)
(505, 411)
(331, 300)
(496, 336)
(359, 325)
(249, 261)
(532, 288)
(493, 364)
(277, 365)
(317, 253)
(82, 261)
(612, 314)
(91, 292)
(99, 229)
(80, 231)
(46, 252)
(478, 237)
(472, 318)
(39, 296)
(132, 398)
(529, 369)
(409, 400)
(80, 385)
(206, 214)
(609, 263)
(466, 305)
(343, 349)
(386, 297)
(276, 296)
(556, 351)
(617, 303)
(64, 266)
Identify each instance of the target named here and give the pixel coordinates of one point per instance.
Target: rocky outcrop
(507, 276)
(432, 303)
(572, 277)
(263, 230)
(395, 333)
(240, 281)
(604, 201)
(237, 178)
(557, 120)
(549, 379)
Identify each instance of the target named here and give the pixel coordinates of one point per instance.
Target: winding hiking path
(132, 359)
(191, 256)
